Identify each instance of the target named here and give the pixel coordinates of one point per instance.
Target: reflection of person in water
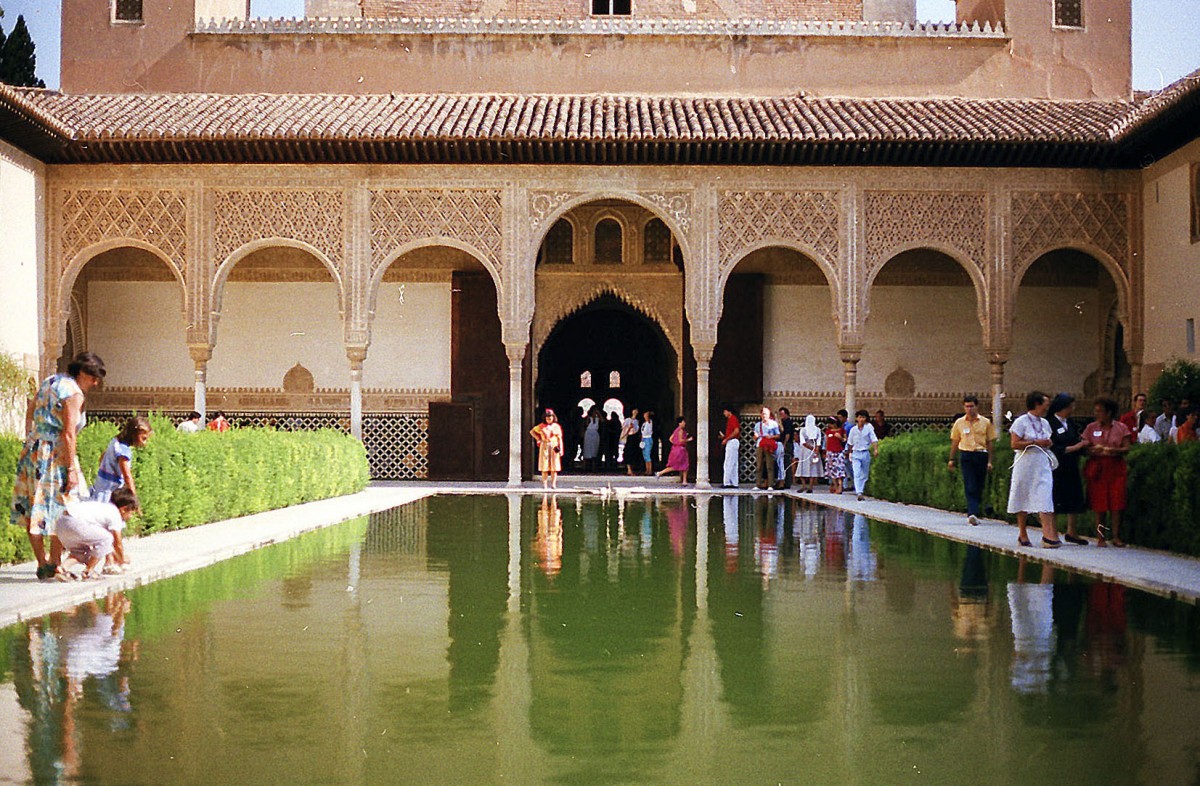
(862, 563)
(66, 653)
(970, 605)
(729, 518)
(808, 534)
(1031, 608)
(549, 542)
(1106, 629)
(835, 539)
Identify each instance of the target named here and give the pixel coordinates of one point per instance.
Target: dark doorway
(604, 337)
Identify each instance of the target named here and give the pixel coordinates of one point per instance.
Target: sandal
(1075, 539)
(1051, 544)
(1023, 542)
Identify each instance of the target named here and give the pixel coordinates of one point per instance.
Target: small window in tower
(1195, 201)
(1068, 13)
(127, 10)
(607, 250)
(585, 379)
(614, 379)
(612, 7)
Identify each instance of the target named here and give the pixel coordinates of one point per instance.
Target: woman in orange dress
(549, 436)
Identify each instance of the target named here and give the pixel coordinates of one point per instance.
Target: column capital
(998, 355)
(201, 354)
(356, 354)
(850, 353)
(515, 353)
(703, 352)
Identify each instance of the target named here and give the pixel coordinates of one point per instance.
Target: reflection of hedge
(189, 479)
(1163, 486)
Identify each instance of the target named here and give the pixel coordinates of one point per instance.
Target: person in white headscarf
(808, 454)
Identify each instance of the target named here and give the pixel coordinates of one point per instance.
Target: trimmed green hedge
(1163, 486)
(184, 480)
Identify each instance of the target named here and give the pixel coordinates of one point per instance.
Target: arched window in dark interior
(656, 243)
(608, 242)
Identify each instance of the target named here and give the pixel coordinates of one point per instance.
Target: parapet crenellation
(595, 27)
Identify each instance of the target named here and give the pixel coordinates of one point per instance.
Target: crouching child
(90, 532)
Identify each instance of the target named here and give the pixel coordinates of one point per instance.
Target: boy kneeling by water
(90, 532)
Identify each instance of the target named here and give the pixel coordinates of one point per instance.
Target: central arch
(606, 336)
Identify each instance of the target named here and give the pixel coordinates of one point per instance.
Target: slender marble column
(703, 367)
(356, 355)
(201, 353)
(516, 368)
(997, 365)
(850, 358)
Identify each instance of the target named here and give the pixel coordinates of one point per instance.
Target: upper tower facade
(1063, 49)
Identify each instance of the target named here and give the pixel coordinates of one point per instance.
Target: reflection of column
(517, 759)
(201, 353)
(703, 363)
(514, 553)
(702, 503)
(851, 354)
(997, 360)
(516, 366)
(356, 355)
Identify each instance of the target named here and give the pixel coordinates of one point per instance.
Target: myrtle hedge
(1163, 486)
(184, 480)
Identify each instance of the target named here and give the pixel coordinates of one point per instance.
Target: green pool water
(493, 639)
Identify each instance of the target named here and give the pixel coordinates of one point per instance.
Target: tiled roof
(583, 128)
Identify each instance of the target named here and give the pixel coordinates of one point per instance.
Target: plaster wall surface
(932, 333)
(22, 253)
(410, 337)
(1035, 61)
(1057, 339)
(799, 340)
(1172, 258)
(266, 328)
(138, 328)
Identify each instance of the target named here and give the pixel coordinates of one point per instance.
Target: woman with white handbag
(1032, 486)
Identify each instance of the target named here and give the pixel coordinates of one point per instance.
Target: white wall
(799, 340)
(932, 332)
(139, 330)
(1172, 260)
(1057, 341)
(22, 253)
(266, 328)
(410, 337)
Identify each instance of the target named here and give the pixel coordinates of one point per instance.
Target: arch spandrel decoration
(546, 207)
(308, 215)
(748, 219)
(473, 216)
(155, 216)
(1044, 221)
(901, 220)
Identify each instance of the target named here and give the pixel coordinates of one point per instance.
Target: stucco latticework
(750, 219)
(473, 216)
(946, 220)
(309, 215)
(155, 216)
(1044, 221)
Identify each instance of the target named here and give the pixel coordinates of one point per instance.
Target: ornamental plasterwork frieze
(1043, 221)
(309, 215)
(675, 206)
(748, 219)
(473, 216)
(900, 220)
(157, 216)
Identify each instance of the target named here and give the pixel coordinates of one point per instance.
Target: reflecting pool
(561, 639)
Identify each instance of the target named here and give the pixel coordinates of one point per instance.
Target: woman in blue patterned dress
(48, 475)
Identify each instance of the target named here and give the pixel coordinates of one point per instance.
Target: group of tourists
(74, 532)
(789, 453)
(1046, 479)
(636, 434)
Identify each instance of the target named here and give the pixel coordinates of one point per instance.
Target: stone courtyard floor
(170, 553)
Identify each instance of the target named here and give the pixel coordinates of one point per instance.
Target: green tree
(1179, 380)
(18, 63)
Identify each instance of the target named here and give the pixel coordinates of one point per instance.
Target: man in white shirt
(191, 424)
(862, 443)
(91, 531)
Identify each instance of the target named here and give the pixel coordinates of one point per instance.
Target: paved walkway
(166, 554)
(171, 553)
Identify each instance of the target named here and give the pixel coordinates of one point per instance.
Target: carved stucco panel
(310, 215)
(473, 216)
(747, 219)
(1042, 221)
(157, 216)
(907, 219)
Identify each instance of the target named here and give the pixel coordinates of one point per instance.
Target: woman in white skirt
(1032, 486)
(808, 454)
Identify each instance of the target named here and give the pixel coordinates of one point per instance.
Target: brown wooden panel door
(479, 370)
(451, 441)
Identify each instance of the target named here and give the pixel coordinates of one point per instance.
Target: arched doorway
(1067, 330)
(606, 350)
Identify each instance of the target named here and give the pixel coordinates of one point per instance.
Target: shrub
(1163, 486)
(184, 480)
(1179, 380)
